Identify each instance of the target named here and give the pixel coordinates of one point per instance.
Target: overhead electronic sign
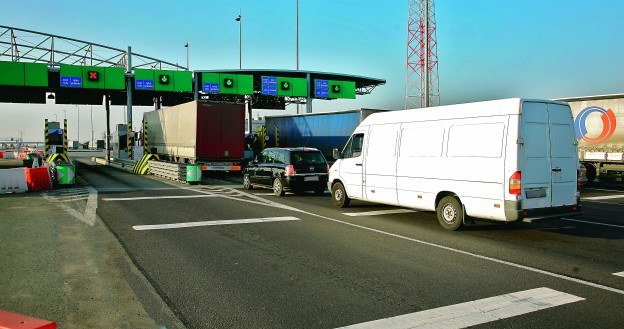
(321, 88)
(93, 76)
(228, 83)
(164, 79)
(269, 85)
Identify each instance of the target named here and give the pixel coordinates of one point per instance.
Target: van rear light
(289, 171)
(515, 183)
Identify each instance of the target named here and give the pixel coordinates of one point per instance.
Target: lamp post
(297, 45)
(64, 114)
(239, 19)
(92, 142)
(187, 55)
(21, 141)
(78, 110)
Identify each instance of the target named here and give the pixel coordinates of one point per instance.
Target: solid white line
(159, 197)
(378, 212)
(476, 312)
(263, 194)
(213, 222)
(604, 197)
(132, 189)
(595, 223)
(619, 274)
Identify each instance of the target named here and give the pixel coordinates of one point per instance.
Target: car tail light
(515, 183)
(289, 171)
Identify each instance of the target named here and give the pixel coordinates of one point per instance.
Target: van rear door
(549, 158)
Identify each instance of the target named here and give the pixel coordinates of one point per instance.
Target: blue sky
(487, 49)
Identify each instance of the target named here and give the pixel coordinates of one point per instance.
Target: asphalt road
(298, 262)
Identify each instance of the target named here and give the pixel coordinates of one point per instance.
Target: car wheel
(450, 213)
(247, 182)
(278, 188)
(339, 196)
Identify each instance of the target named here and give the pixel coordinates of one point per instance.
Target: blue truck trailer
(324, 131)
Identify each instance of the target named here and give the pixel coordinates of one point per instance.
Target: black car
(292, 169)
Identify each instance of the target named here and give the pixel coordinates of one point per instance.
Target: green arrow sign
(65, 174)
(336, 88)
(285, 85)
(193, 173)
(228, 82)
(164, 79)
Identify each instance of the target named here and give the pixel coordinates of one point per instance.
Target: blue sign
(269, 85)
(144, 84)
(212, 88)
(71, 82)
(321, 88)
(56, 132)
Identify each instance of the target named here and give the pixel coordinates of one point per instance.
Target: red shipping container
(10, 320)
(38, 179)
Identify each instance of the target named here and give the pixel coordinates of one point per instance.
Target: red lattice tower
(421, 75)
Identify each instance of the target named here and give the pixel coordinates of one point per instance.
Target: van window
(482, 140)
(422, 142)
(382, 142)
(353, 149)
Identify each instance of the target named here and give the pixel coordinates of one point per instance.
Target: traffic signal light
(93, 76)
(164, 79)
(228, 83)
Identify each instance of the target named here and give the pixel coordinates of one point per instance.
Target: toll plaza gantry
(274, 89)
(36, 67)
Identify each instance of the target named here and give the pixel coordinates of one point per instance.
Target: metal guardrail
(169, 170)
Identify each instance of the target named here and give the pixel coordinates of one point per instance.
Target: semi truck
(324, 131)
(198, 132)
(599, 129)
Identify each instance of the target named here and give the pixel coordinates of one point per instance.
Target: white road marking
(619, 274)
(601, 189)
(595, 223)
(213, 223)
(378, 212)
(603, 197)
(159, 197)
(135, 189)
(265, 202)
(264, 194)
(476, 312)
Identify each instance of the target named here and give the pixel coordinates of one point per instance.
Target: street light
(187, 55)
(65, 114)
(78, 110)
(239, 19)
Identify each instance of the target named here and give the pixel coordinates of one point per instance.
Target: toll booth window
(353, 149)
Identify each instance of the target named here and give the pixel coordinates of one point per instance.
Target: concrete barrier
(13, 180)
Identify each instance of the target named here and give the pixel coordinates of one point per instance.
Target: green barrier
(65, 174)
(193, 173)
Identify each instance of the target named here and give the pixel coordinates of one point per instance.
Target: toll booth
(120, 142)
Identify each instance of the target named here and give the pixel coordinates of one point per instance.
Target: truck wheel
(339, 196)
(450, 213)
(278, 188)
(247, 182)
(590, 172)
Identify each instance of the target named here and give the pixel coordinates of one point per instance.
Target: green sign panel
(163, 80)
(341, 89)
(230, 84)
(193, 173)
(23, 74)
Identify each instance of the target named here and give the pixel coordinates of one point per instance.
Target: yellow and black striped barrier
(65, 140)
(144, 135)
(130, 142)
(47, 139)
(56, 157)
(142, 166)
(276, 136)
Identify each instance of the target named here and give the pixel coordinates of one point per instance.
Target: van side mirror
(336, 154)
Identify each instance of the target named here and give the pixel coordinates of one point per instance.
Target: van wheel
(450, 213)
(339, 196)
(247, 182)
(278, 188)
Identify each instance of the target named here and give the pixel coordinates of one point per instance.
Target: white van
(505, 160)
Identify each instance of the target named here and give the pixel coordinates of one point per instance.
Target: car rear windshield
(307, 157)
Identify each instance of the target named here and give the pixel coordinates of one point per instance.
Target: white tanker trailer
(599, 128)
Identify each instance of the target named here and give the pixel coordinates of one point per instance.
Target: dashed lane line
(619, 274)
(476, 312)
(378, 212)
(603, 197)
(213, 223)
(159, 197)
(593, 223)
